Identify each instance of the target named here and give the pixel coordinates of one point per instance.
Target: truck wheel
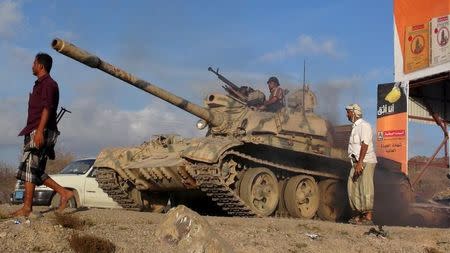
(56, 199)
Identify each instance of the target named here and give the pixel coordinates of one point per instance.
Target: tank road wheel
(259, 189)
(302, 197)
(333, 204)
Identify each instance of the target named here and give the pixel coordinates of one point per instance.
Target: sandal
(354, 220)
(365, 222)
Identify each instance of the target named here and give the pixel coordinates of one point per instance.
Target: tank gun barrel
(93, 61)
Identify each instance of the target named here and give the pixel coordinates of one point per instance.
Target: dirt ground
(104, 230)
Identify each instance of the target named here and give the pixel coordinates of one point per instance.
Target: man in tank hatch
(276, 98)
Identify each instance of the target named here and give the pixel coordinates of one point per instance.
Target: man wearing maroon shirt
(40, 136)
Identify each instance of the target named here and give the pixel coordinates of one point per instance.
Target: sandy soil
(128, 231)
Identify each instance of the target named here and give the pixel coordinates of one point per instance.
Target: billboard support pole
(429, 161)
(443, 125)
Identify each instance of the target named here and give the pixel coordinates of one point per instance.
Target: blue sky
(348, 47)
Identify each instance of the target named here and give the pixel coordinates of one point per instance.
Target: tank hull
(213, 165)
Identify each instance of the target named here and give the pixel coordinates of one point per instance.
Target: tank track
(108, 182)
(211, 182)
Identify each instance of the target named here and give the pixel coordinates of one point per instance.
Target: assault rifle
(61, 114)
(50, 149)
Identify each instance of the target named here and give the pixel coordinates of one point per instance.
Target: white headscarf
(356, 109)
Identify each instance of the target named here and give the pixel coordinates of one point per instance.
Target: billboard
(417, 48)
(420, 38)
(440, 51)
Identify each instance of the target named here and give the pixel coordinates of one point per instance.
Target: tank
(250, 163)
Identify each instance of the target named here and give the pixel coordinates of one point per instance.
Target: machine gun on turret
(244, 93)
(229, 86)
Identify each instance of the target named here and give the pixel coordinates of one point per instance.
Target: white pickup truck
(79, 176)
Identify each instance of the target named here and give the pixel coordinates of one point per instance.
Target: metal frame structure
(430, 93)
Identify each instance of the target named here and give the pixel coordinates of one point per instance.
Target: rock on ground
(186, 231)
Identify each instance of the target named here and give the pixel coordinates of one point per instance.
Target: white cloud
(15, 74)
(305, 44)
(10, 18)
(20, 55)
(378, 74)
(12, 120)
(91, 127)
(96, 123)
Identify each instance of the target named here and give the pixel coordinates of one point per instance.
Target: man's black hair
(273, 79)
(46, 60)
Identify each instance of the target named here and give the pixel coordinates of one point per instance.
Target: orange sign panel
(392, 122)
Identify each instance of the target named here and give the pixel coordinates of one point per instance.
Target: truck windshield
(78, 167)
